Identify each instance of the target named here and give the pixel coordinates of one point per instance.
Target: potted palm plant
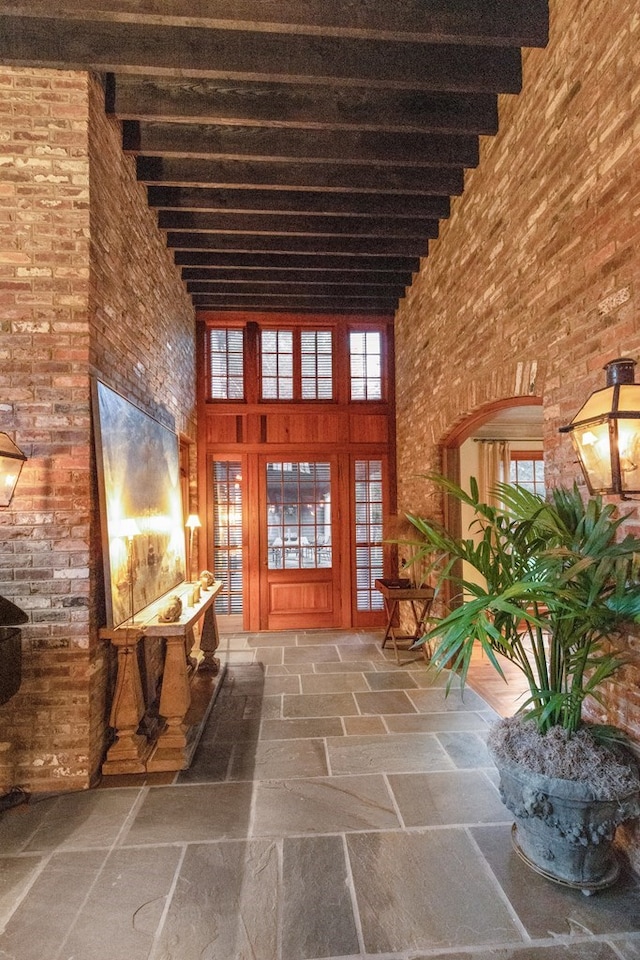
(556, 586)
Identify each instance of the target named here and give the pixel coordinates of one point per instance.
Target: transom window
(226, 364)
(296, 364)
(277, 364)
(365, 350)
(316, 363)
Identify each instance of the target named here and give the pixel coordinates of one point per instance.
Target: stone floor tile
(225, 905)
(46, 914)
(239, 657)
(436, 700)
(322, 805)
(345, 666)
(319, 705)
(440, 798)
(333, 683)
(289, 669)
(392, 753)
(234, 730)
(245, 680)
(19, 824)
(388, 680)
(16, 875)
(192, 813)
(301, 729)
(429, 678)
(288, 638)
(433, 722)
(318, 918)
(409, 660)
(311, 654)
(274, 685)
(364, 726)
(278, 760)
(627, 949)
(361, 651)
(132, 887)
(465, 749)
(91, 818)
(267, 708)
(210, 763)
(547, 909)
(269, 655)
(384, 702)
(424, 890)
(576, 951)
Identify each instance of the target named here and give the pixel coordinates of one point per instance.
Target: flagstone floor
(338, 806)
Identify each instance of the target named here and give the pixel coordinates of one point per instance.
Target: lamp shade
(193, 521)
(128, 528)
(606, 433)
(11, 462)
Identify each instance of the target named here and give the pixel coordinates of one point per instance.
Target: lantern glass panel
(591, 442)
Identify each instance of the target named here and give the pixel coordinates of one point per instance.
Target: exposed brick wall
(535, 281)
(44, 343)
(88, 287)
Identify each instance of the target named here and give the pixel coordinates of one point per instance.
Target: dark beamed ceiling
(299, 153)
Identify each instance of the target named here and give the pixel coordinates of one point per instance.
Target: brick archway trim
(515, 384)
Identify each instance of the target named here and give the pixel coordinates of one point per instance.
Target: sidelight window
(227, 534)
(368, 517)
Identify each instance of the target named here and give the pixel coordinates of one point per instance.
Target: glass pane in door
(299, 515)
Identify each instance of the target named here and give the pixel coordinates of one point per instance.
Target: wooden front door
(300, 566)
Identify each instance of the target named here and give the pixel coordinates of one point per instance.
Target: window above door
(299, 361)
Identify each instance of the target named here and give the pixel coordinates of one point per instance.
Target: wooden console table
(132, 752)
(418, 600)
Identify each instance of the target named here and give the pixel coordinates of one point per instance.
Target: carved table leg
(209, 642)
(175, 697)
(129, 752)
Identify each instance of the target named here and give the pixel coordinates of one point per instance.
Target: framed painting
(140, 504)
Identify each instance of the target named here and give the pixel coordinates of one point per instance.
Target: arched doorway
(516, 424)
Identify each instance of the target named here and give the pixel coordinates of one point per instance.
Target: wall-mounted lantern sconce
(11, 462)
(192, 521)
(606, 433)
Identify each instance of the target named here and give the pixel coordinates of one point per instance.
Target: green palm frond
(554, 581)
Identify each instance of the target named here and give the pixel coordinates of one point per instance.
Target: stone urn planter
(555, 591)
(561, 830)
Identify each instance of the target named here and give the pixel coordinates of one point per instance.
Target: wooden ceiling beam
(186, 140)
(346, 246)
(265, 261)
(340, 178)
(303, 105)
(511, 22)
(235, 279)
(337, 304)
(245, 55)
(301, 289)
(277, 225)
(309, 202)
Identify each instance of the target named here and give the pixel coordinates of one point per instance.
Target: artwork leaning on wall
(140, 504)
